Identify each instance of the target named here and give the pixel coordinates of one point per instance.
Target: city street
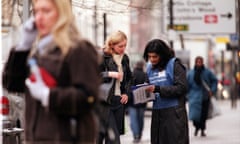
(61, 36)
(224, 129)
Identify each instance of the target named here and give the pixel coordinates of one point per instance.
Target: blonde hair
(65, 32)
(114, 39)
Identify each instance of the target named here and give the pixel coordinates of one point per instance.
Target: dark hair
(161, 49)
(198, 58)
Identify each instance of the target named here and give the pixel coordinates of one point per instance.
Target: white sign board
(202, 16)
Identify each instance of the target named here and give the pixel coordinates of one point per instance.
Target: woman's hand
(116, 75)
(38, 90)
(210, 93)
(124, 99)
(29, 34)
(150, 89)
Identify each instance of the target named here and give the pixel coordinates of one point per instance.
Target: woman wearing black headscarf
(198, 96)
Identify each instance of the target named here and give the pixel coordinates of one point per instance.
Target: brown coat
(70, 101)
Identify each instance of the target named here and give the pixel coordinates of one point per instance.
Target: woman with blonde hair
(59, 104)
(115, 66)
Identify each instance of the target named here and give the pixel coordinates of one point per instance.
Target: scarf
(45, 43)
(197, 75)
(118, 61)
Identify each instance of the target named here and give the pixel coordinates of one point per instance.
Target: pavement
(223, 129)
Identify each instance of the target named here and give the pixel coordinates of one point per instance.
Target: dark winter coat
(170, 125)
(69, 116)
(196, 92)
(108, 64)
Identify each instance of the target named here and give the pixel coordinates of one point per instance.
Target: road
(223, 129)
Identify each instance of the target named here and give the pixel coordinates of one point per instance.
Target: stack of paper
(140, 95)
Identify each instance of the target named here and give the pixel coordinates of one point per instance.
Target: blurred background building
(193, 27)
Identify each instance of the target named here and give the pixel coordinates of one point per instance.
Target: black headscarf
(197, 74)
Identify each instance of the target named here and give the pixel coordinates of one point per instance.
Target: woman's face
(153, 58)
(120, 47)
(199, 62)
(46, 15)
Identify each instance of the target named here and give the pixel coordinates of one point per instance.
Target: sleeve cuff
(21, 47)
(105, 74)
(45, 98)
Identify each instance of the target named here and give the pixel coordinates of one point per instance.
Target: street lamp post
(95, 23)
(104, 26)
(171, 24)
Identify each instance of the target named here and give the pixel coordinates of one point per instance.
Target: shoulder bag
(213, 108)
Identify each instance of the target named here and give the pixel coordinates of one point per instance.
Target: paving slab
(223, 129)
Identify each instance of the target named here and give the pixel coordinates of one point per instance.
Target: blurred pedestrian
(136, 111)
(198, 95)
(59, 104)
(169, 124)
(115, 66)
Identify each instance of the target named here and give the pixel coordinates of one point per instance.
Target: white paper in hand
(140, 95)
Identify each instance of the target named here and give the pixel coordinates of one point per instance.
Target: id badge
(162, 74)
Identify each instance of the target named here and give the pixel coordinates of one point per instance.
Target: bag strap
(206, 85)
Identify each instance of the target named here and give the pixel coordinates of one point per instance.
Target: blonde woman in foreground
(59, 107)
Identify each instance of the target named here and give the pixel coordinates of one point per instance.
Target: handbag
(106, 87)
(15, 71)
(213, 108)
(105, 90)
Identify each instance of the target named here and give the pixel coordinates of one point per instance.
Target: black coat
(108, 64)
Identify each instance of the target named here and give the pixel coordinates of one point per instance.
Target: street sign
(222, 39)
(179, 27)
(234, 37)
(202, 16)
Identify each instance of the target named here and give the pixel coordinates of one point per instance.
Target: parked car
(11, 113)
(4, 111)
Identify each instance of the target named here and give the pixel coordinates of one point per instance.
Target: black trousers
(204, 113)
(113, 123)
